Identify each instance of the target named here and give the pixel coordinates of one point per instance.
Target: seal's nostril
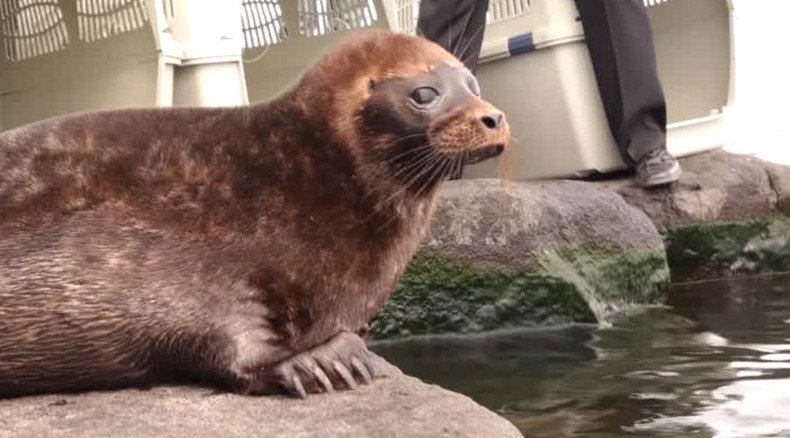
(493, 120)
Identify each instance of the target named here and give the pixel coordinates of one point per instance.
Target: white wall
(763, 89)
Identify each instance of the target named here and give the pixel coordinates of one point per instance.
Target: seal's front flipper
(342, 362)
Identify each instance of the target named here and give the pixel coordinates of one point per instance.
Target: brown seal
(243, 247)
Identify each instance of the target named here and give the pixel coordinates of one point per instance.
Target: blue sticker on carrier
(520, 44)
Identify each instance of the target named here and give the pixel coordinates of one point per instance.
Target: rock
(779, 176)
(490, 225)
(533, 253)
(541, 253)
(395, 406)
(715, 186)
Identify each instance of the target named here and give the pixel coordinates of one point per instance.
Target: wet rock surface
(394, 406)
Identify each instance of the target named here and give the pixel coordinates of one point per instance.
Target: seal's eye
(424, 95)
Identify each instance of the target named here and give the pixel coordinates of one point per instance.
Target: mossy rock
(583, 284)
(528, 254)
(724, 249)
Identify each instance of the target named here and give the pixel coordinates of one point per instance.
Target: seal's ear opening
(371, 84)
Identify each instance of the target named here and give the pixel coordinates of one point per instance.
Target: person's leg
(456, 25)
(623, 54)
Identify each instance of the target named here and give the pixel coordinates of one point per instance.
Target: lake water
(714, 364)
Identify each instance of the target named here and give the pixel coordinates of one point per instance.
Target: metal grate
(501, 10)
(262, 23)
(168, 8)
(322, 17)
(498, 10)
(100, 19)
(31, 28)
(407, 12)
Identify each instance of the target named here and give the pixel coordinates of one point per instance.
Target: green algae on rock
(438, 295)
(724, 249)
(583, 284)
(610, 279)
(535, 253)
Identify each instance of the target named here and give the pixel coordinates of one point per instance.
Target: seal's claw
(361, 369)
(298, 388)
(345, 374)
(322, 378)
(342, 362)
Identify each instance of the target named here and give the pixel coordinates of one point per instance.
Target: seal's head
(409, 111)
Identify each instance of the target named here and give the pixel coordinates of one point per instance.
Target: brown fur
(149, 244)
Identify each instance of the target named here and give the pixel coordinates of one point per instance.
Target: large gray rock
(489, 223)
(715, 186)
(396, 406)
(526, 254)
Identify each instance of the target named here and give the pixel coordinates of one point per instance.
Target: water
(716, 364)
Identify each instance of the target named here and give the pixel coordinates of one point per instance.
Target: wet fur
(148, 245)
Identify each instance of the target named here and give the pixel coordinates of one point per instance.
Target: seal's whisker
(412, 172)
(422, 170)
(469, 44)
(456, 168)
(413, 175)
(450, 35)
(421, 153)
(434, 176)
(461, 38)
(405, 153)
(459, 159)
(452, 159)
(405, 137)
(437, 176)
(438, 159)
(415, 164)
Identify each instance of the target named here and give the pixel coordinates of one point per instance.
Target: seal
(245, 248)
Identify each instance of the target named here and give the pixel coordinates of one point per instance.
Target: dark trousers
(621, 47)
(456, 25)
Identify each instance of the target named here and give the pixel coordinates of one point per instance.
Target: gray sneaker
(657, 168)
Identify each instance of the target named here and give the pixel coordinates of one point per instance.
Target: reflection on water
(716, 364)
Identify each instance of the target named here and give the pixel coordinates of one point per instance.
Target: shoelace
(654, 160)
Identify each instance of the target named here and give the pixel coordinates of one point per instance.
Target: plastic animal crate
(535, 67)
(64, 56)
(301, 30)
